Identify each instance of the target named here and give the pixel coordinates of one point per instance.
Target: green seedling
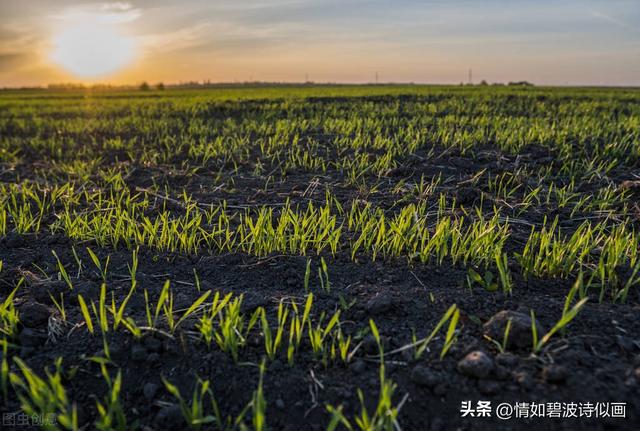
(59, 306)
(318, 334)
(9, 318)
(102, 269)
(307, 275)
(46, 398)
(323, 275)
(133, 268)
(503, 272)
(272, 343)
(450, 338)
(78, 261)
(296, 326)
(259, 403)
(568, 314)
(4, 369)
(85, 313)
(101, 311)
(192, 309)
(111, 413)
(385, 415)
(194, 413)
(207, 324)
(451, 316)
(502, 346)
(487, 282)
(62, 272)
(344, 305)
(232, 329)
(196, 279)
(117, 312)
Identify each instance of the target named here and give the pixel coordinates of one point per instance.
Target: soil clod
(476, 364)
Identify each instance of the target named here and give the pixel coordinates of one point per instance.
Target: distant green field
(459, 116)
(248, 91)
(355, 134)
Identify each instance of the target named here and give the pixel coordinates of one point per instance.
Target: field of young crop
(316, 257)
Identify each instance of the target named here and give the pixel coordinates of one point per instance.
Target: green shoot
(44, 397)
(111, 414)
(101, 269)
(62, 272)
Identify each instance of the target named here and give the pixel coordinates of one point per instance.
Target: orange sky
(546, 42)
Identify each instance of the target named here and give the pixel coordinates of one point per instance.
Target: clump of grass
(318, 334)
(194, 412)
(9, 318)
(198, 413)
(44, 397)
(233, 328)
(206, 323)
(297, 325)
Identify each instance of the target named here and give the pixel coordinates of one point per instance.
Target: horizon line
(152, 85)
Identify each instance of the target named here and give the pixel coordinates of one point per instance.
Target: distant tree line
(146, 87)
(510, 84)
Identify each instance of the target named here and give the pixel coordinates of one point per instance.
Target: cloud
(116, 6)
(18, 46)
(222, 35)
(106, 13)
(610, 19)
(12, 61)
(178, 39)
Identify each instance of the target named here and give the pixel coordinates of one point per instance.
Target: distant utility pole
(306, 77)
(470, 76)
(376, 77)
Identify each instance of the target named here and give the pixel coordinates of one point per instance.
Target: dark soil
(601, 355)
(597, 360)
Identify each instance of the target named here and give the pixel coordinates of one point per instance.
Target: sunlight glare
(91, 48)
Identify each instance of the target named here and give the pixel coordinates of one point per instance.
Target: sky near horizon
(561, 42)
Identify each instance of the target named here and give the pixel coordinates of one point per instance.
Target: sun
(93, 47)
